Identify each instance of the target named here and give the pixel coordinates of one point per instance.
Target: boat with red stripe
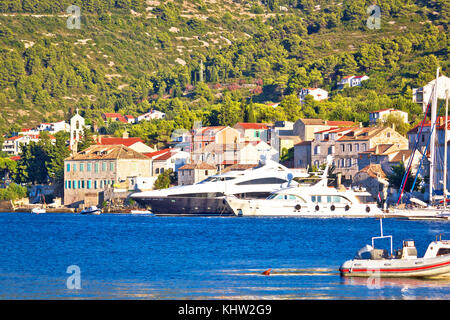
(372, 262)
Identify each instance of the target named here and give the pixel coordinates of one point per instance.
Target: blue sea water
(122, 256)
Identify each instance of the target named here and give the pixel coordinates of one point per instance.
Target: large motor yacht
(318, 200)
(207, 196)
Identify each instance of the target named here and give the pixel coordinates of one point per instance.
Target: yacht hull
(243, 207)
(421, 267)
(186, 206)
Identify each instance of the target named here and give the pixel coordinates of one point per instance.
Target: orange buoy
(267, 272)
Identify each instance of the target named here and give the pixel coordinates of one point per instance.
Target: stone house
(345, 145)
(352, 143)
(306, 128)
(302, 154)
(324, 144)
(195, 172)
(388, 155)
(374, 179)
(89, 173)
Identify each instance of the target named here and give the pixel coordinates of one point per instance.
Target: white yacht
(318, 200)
(207, 196)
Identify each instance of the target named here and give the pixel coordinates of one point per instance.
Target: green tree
(165, 179)
(396, 121)
(395, 178)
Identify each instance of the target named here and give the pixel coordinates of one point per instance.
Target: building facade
(195, 172)
(89, 173)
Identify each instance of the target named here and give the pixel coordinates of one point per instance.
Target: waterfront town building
(306, 128)
(387, 156)
(302, 155)
(253, 131)
(346, 144)
(373, 179)
(195, 172)
(281, 135)
(91, 172)
(137, 144)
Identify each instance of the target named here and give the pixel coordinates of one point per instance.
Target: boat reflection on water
(404, 283)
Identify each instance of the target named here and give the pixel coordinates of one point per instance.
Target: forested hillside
(218, 61)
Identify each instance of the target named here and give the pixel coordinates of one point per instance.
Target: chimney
(360, 125)
(339, 179)
(125, 134)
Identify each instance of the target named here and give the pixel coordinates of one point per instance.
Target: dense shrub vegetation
(217, 62)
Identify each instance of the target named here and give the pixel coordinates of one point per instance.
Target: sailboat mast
(433, 136)
(445, 148)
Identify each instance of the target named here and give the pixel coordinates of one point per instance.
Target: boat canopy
(364, 252)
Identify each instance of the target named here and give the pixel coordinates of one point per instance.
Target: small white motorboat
(91, 210)
(38, 210)
(371, 262)
(140, 212)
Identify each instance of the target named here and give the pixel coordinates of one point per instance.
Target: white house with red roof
(114, 117)
(253, 131)
(170, 158)
(318, 94)
(51, 128)
(151, 115)
(352, 81)
(12, 145)
(377, 115)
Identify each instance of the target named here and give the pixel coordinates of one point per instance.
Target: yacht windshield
(216, 179)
